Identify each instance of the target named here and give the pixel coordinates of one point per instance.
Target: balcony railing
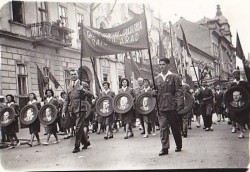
(45, 32)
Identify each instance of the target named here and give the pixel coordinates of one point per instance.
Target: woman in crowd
(109, 119)
(150, 118)
(34, 127)
(128, 117)
(12, 128)
(51, 128)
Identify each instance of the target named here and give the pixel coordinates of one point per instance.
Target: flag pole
(150, 60)
(185, 44)
(82, 48)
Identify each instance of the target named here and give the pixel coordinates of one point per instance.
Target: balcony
(52, 35)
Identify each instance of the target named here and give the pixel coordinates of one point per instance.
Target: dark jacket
(72, 101)
(170, 93)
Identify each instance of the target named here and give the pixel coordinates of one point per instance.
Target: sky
(236, 11)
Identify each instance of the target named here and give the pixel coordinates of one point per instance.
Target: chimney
(218, 13)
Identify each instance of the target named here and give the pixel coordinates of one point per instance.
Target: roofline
(197, 49)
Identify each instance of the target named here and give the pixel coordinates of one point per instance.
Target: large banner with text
(130, 36)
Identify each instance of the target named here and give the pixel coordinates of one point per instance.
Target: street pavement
(213, 149)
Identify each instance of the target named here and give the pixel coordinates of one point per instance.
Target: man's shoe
(86, 145)
(143, 132)
(76, 150)
(207, 129)
(126, 137)
(163, 152)
(178, 149)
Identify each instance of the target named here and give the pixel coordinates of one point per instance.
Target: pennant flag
(128, 69)
(130, 36)
(161, 51)
(53, 79)
(42, 82)
(135, 68)
(185, 43)
(239, 51)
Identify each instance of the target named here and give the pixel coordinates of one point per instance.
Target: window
(63, 15)
(215, 50)
(42, 11)
(80, 18)
(17, 10)
(105, 77)
(67, 78)
(22, 79)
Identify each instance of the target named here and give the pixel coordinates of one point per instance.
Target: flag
(185, 43)
(161, 51)
(97, 82)
(53, 79)
(130, 36)
(172, 65)
(239, 51)
(128, 68)
(42, 82)
(135, 68)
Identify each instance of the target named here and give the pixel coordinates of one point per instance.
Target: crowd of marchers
(170, 92)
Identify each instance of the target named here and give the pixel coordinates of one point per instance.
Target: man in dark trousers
(218, 103)
(241, 117)
(77, 91)
(206, 104)
(171, 100)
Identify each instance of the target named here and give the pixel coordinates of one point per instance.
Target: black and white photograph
(28, 114)
(104, 106)
(47, 114)
(123, 102)
(145, 103)
(107, 85)
(7, 116)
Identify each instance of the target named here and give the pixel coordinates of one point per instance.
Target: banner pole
(82, 48)
(150, 59)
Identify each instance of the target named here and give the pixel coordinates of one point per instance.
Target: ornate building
(47, 34)
(210, 46)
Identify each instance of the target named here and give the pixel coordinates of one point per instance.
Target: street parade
(115, 90)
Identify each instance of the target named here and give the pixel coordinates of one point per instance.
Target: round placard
(28, 114)
(145, 103)
(48, 114)
(7, 115)
(237, 98)
(104, 106)
(122, 102)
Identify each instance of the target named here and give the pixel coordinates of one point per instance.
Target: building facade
(46, 34)
(210, 47)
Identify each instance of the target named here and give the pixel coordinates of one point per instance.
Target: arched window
(102, 25)
(85, 76)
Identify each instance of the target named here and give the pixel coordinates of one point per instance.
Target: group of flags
(43, 81)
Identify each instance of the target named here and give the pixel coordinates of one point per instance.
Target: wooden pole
(150, 60)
